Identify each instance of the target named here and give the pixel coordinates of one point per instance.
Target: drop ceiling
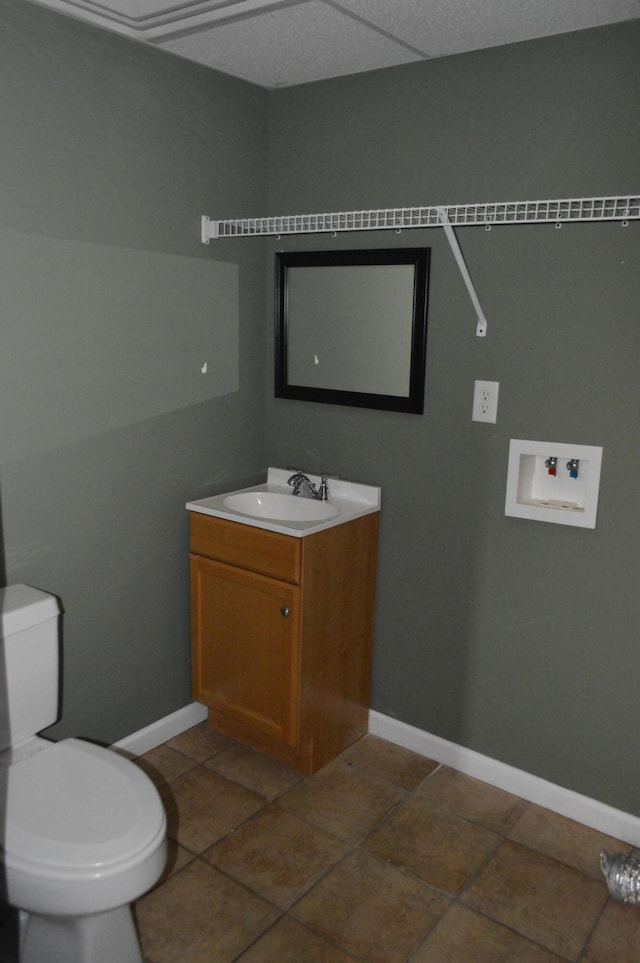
(279, 43)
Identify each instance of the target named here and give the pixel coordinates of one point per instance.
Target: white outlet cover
(485, 401)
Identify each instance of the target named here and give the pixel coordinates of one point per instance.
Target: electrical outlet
(485, 401)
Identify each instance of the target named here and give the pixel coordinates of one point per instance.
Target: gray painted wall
(109, 308)
(515, 638)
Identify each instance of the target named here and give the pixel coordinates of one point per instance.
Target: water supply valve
(552, 466)
(572, 467)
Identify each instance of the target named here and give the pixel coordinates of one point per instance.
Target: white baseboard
(590, 812)
(162, 730)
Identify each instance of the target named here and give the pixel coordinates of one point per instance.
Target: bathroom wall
(131, 356)
(514, 638)
(517, 639)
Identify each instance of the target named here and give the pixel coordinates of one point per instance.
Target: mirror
(351, 327)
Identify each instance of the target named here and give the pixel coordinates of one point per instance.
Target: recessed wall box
(565, 493)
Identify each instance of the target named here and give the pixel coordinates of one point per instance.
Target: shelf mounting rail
(558, 212)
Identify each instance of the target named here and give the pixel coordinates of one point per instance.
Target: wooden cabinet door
(245, 646)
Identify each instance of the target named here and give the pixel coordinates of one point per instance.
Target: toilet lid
(76, 805)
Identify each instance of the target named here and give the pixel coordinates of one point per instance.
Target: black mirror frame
(419, 257)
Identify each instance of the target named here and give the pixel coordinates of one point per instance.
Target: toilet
(82, 829)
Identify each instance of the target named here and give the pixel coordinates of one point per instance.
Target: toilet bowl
(84, 829)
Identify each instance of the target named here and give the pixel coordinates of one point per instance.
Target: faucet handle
(323, 491)
(324, 478)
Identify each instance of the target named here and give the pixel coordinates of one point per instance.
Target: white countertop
(351, 500)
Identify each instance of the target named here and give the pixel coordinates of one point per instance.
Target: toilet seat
(78, 813)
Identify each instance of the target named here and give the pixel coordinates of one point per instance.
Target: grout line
(585, 945)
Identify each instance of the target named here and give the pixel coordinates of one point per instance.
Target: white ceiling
(278, 43)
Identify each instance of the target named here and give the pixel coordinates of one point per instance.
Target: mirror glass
(351, 327)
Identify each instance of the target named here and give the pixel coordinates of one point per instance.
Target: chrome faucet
(300, 481)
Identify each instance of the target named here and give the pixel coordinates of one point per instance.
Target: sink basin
(272, 506)
(282, 507)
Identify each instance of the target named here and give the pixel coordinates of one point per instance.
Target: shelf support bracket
(443, 215)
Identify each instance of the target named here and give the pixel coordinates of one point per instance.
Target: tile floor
(382, 857)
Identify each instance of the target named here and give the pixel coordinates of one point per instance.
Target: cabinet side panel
(339, 568)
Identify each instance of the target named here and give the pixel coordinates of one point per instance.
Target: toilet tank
(29, 660)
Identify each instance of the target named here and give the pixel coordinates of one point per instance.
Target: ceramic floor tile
(371, 909)
(547, 902)
(200, 916)
(250, 839)
(463, 936)
(254, 771)
(473, 799)
(342, 800)
(200, 742)
(164, 764)
(203, 806)
(277, 855)
(565, 840)
(291, 942)
(398, 765)
(616, 937)
(177, 857)
(429, 842)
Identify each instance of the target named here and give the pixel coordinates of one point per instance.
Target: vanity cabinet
(281, 634)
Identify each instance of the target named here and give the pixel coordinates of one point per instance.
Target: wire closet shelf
(561, 211)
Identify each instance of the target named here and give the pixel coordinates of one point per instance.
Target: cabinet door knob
(284, 611)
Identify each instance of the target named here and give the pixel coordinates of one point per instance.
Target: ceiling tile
(441, 27)
(292, 45)
(282, 42)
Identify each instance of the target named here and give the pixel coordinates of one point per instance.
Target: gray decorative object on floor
(623, 876)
